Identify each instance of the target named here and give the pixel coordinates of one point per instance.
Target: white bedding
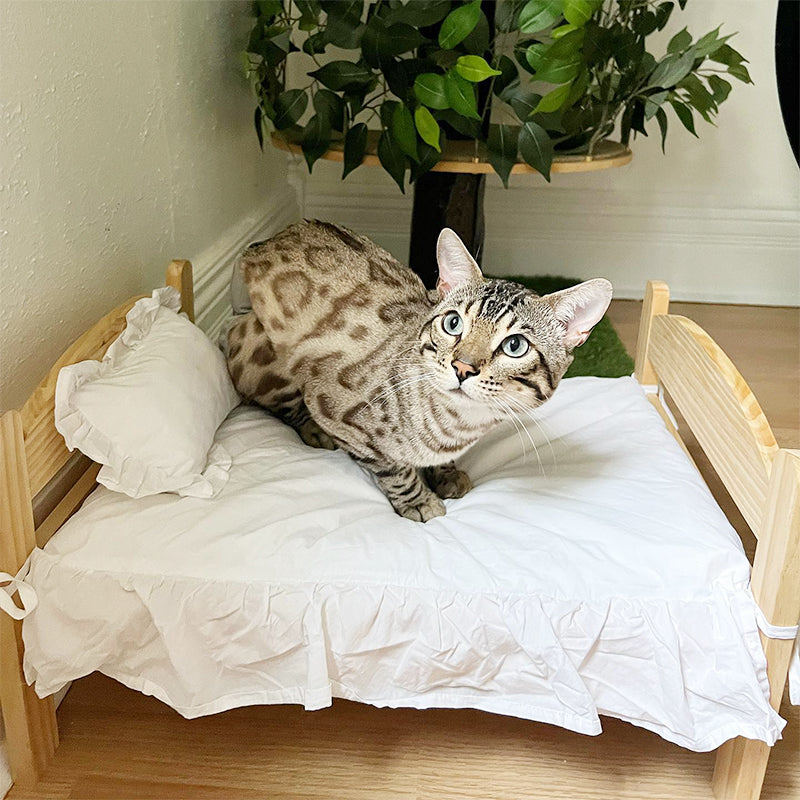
(598, 577)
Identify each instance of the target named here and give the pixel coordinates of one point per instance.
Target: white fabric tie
(775, 631)
(26, 592)
(658, 390)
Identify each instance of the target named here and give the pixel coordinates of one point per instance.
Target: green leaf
(661, 116)
(420, 13)
(684, 114)
(342, 75)
(653, 103)
(471, 128)
(392, 159)
(427, 127)
(739, 71)
(663, 13)
(524, 102)
(539, 14)
(289, 107)
(344, 27)
(460, 95)
(578, 12)
(458, 24)
(309, 13)
(720, 88)
(478, 39)
(726, 55)
(315, 44)
(259, 129)
(645, 23)
(506, 15)
(709, 43)
(508, 79)
(679, 42)
(562, 30)
(316, 139)
(475, 69)
(404, 131)
(428, 158)
(269, 8)
(502, 149)
(429, 89)
(555, 99)
(536, 148)
(699, 97)
(553, 70)
(380, 43)
(330, 108)
(355, 143)
(671, 69)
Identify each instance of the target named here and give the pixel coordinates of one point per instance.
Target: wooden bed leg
(31, 730)
(742, 763)
(656, 302)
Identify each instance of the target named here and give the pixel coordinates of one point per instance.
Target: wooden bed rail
(762, 479)
(37, 470)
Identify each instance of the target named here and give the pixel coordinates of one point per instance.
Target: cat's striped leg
(448, 481)
(294, 412)
(406, 491)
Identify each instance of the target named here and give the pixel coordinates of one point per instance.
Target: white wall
(718, 218)
(127, 141)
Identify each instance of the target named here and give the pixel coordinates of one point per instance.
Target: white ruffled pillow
(149, 410)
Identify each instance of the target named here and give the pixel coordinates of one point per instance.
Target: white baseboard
(705, 249)
(213, 267)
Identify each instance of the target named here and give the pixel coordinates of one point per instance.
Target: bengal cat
(346, 345)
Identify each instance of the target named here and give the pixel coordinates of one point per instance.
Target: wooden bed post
(656, 302)
(179, 276)
(742, 763)
(31, 730)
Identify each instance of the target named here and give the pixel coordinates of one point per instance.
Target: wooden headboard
(41, 485)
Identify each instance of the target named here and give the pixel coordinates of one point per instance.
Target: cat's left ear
(456, 265)
(580, 308)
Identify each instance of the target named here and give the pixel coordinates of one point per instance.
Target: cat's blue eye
(452, 323)
(515, 346)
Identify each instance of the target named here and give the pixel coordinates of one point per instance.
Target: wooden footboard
(41, 485)
(763, 480)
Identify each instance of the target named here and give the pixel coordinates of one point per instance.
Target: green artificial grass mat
(603, 354)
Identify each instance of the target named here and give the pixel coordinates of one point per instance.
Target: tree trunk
(445, 200)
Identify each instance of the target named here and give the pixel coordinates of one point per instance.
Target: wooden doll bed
(42, 484)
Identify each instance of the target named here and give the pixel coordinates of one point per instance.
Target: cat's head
(496, 340)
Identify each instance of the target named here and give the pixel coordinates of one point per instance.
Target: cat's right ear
(456, 265)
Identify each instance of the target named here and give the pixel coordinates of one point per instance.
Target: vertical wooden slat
(742, 763)
(656, 302)
(31, 730)
(179, 276)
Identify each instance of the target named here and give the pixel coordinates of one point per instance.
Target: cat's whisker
(528, 434)
(528, 413)
(395, 387)
(506, 412)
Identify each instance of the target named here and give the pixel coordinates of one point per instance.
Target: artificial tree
(525, 80)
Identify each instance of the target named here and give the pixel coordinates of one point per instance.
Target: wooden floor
(118, 744)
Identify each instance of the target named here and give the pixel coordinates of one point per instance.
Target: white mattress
(599, 578)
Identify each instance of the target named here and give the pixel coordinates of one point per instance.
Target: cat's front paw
(447, 481)
(428, 507)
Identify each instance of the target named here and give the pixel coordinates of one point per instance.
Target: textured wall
(127, 141)
(718, 217)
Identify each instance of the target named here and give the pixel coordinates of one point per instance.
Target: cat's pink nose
(464, 370)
